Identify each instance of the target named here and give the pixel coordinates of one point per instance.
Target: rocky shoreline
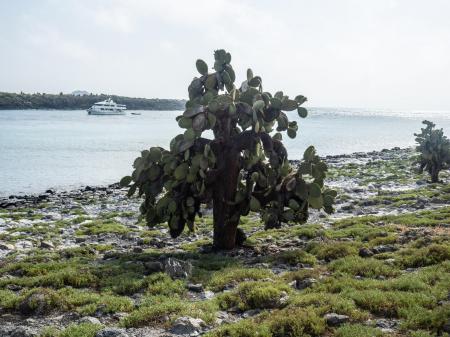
(80, 259)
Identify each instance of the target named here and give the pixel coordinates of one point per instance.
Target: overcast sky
(347, 53)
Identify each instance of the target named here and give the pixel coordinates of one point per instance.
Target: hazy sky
(344, 53)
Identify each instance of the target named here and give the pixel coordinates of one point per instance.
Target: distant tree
(434, 150)
(243, 168)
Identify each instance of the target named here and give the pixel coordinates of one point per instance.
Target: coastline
(330, 159)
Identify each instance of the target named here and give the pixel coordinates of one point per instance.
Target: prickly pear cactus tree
(434, 150)
(241, 167)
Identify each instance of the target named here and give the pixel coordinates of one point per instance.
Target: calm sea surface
(67, 149)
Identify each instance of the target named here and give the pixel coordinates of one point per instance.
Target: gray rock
(207, 294)
(283, 299)
(36, 303)
(111, 332)
(187, 326)
(89, 319)
(47, 245)
(223, 317)
(153, 267)
(385, 324)
(177, 268)
(251, 313)
(383, 249)
(305, 283)
(23, 332)
(6, 246)
(80, 239)
(197, 288)
(13, 287)
(69, 317)
(334, 319)
(365, 252)
(137, 250)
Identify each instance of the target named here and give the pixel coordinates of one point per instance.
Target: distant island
(82, 100)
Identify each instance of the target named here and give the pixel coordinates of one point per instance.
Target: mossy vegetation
(362, 288)
(73, 330)
(255, 295)
(357, 330)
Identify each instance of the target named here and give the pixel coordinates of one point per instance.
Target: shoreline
(384, 189)
(328, 158)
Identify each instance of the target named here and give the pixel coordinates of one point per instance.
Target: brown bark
(434, 175)
(225, 214)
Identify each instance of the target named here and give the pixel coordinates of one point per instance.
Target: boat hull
(104, 113)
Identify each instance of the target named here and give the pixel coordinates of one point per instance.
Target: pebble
(305, 283)
(334, 319)
(251, 313)
(47, 245)
(383, 249)
(137, 250)
(6, 246)
(365, 252)
(111, 332)
(207, 294)
(197, 288)
(177, 268)
(386, 325)
(89, 319)
(187, 326)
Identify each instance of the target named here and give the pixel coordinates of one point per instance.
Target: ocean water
(42, 149)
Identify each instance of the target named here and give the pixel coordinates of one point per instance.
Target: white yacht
(107, 107)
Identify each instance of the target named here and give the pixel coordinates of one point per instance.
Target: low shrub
(355, 265)
(254, 295)
(357, 330)
(296, 323)
(433, 254)
(332, 250)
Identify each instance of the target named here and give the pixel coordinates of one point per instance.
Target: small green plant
(296, 323)
(73, 330)
(243, 168)
(434, 150)
(357, 330)
(242, 328)
(255, 295)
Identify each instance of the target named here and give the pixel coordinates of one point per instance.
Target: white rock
(6, 246)
(89, 319)
(187, 326)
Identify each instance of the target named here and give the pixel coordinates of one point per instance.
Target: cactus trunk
(434, 175)
(226, 217)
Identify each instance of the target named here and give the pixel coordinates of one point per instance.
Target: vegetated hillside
(80, 263)
(72, 102)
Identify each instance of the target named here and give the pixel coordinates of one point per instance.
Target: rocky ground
(80, 263)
